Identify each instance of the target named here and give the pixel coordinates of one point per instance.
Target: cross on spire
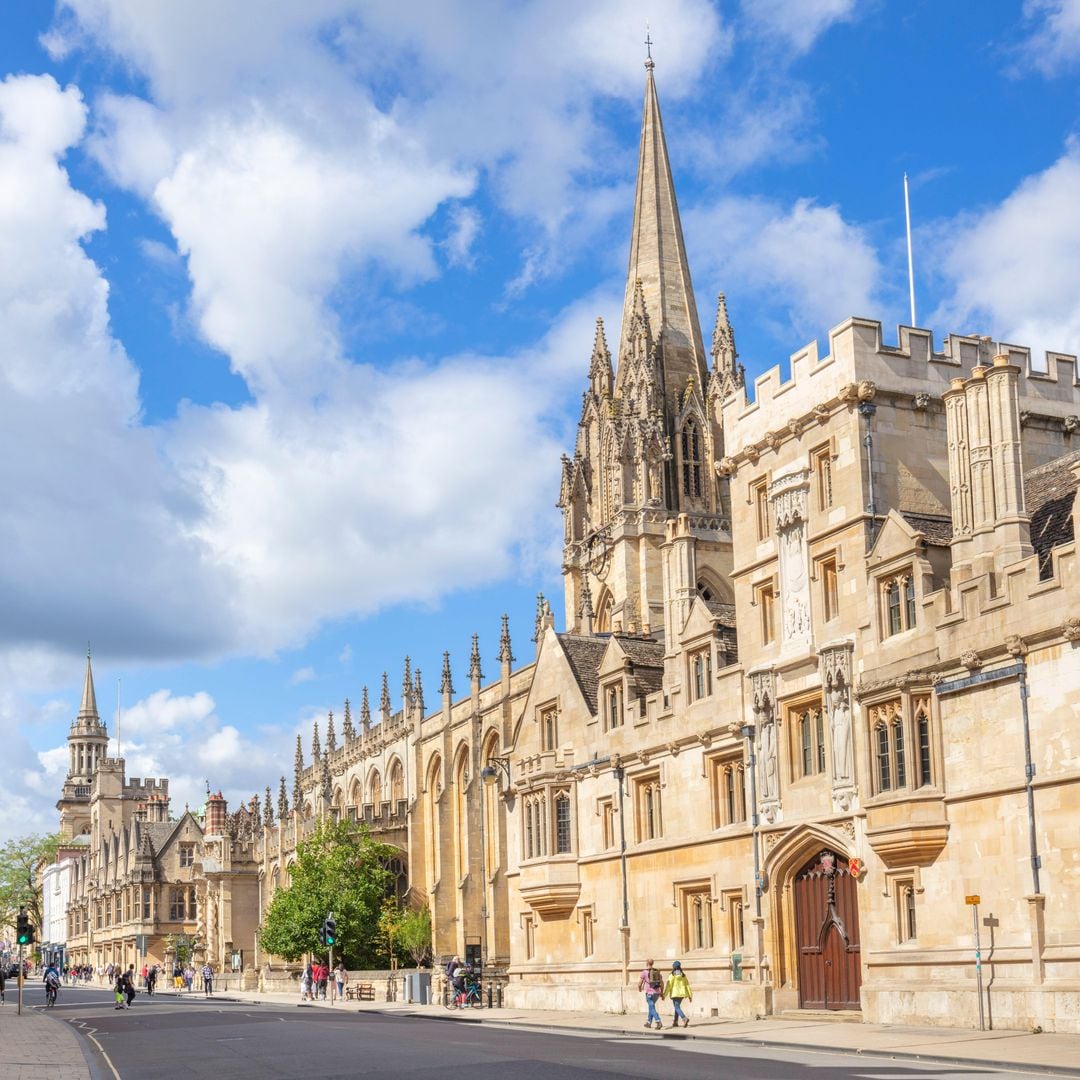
(648, 47)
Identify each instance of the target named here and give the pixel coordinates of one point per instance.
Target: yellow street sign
(972, 899)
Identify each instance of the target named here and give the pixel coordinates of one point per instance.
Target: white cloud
(1011, 270)
(1053, 46)
(805, 265)
(346, 654)
(302, 675)
(798, 23)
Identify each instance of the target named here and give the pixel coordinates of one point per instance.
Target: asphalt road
(175, 1038)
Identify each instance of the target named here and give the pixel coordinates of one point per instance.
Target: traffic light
(328, 931)
(24, 932)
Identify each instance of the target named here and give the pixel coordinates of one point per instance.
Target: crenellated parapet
(860, 365)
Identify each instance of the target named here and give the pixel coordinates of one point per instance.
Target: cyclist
(52, 984)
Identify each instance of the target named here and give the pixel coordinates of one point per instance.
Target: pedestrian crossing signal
(328, 934)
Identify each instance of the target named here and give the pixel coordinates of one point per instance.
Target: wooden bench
(360, 992)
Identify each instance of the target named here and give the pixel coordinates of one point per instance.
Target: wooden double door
(827, 934)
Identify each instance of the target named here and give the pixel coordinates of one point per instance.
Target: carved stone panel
(788, 494)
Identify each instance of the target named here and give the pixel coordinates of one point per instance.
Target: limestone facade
(138, 878)
(817, 686)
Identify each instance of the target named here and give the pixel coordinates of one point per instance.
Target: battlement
(150, 788)
(858, 354)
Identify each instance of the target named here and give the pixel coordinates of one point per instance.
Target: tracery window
(691, 459)
(898, 602)
(887, 733)
(397, 782)
(650, 821)
(808, 730)
(613, 707)
(701, 674)
(563, 834)
(728, 780)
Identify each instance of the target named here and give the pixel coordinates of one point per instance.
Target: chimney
(217, 812)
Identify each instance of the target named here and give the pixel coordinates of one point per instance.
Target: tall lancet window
(691, 459)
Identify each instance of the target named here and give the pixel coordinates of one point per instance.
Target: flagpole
(119, 751)
(910, 262)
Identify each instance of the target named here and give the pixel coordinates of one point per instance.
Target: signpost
(973, 903)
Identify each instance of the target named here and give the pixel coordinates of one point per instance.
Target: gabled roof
(584, 655)
(936, 530)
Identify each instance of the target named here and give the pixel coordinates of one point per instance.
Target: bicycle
(51, 993)
(471, 997)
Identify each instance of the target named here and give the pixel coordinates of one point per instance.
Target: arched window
(397, 782)
(603, 613)
(490, 795)
(884, 768)
(356, 792)
(433, 791)
(461, 812)
(691, 459)
(375, 789)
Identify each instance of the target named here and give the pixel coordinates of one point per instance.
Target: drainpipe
(747, 733)
(1033, 844)
(866, 411)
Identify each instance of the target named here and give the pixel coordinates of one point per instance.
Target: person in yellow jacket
(677, 988)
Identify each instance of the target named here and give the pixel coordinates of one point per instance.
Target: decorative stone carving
(1025, 417)
(836, 682)
(1071, 424)
(763, 696)
(1016, 646)
(922, 401)
(794, 425)
(1071, 629)
(753, 452)
(726, 466)
(821, 413)
(971, 660)
(773, 440)
(866, 390)
(788, 495)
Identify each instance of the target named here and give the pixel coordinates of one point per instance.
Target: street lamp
(490, 772)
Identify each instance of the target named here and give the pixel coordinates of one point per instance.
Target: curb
(741, 1040)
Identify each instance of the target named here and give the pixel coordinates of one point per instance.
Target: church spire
(88, 708)
(658, 260)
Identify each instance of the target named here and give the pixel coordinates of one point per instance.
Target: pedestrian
(208, 980)
(306, 978)
(341, 977)
(652, 982)
(151, 980)
(118, 989)
(129, 984)
(145, 972)
(678, 987)
(177, 978)
(189, 977)
(3, 974)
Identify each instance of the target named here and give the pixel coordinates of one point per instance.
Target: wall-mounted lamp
(490, 772)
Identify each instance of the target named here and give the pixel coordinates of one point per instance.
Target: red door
(827, 934)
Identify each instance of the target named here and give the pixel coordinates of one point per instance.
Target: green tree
(405, 931)
(340, 868)
(19, 862)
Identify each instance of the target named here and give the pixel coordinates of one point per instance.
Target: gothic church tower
(649, 434)
(88, 744)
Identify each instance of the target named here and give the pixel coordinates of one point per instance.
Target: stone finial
(585, 608)
(723, 344)
(255, 812)
(268, 807)
(316, 745)
(407, 686)
(418, 695)
(365, 712)
(601, 373)
(348, 732)
(475, 674)
(384, 698)
(447, 686)
(541, 603)
(506, 656)
(324, 778)
(298, 766)
(282, 801)
(331, 734)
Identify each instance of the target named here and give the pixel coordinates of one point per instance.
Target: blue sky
(297, 301)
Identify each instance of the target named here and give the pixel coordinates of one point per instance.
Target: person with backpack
(118, 989)
(652, 982)
(129, 984)
(677, 988)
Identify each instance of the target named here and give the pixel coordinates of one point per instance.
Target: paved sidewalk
(35, 1046)
(1052, 1054)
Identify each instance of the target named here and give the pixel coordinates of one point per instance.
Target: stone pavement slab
(36, 1046)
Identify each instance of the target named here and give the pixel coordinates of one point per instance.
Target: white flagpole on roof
(910, 262)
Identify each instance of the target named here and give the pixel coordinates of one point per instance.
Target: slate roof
(584, 655)
(937, 531)
(1049, 492)
(647, 656)
(724, 613)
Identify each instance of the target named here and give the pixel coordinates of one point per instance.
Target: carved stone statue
(840, 729)
(768, 759)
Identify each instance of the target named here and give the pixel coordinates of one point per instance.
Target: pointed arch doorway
(827, 934)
